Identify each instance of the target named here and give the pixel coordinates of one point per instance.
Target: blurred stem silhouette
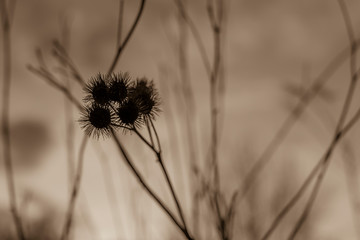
(312, 174)
(215, 11)
(61, 48)
(190, 116)
(350, 163)
(286, 126)
(120, 22)
(7, 10)
(158, 154)
(145, 185)
(69, 116)
(343, 115)
(340, 130)
(351, 168)
(109, 188)
(127, 38)
(43, 72)
(74, 192)
(196, 35)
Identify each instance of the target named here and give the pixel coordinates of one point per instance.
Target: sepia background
(272, 52)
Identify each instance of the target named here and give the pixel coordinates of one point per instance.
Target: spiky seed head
(97, 90)
(118, 89)
(97, 120)
(129, 113)
(145, 95)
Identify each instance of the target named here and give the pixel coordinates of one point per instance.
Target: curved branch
(127, 38)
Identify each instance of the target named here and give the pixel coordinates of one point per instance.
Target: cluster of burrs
(116, 102)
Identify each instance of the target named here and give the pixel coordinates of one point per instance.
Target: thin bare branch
(5, 117)
(127, 38)
(145, 185)
(51, 80)
(196, 35)
(120, 22)
(61, 54)
(343, 115)
(74, 193)
(286, 126)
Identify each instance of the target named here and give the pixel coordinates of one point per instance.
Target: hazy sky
(269, 45)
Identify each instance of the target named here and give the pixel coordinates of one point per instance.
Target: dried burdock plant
(112, 102)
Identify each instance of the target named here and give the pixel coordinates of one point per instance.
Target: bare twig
(196, 35)
(65, 33)
(311, 175)
(190, 114)
(163, 168)
(214, 94)
(289, 122)
(120, 22)
(145, 185)
(109, 188)
(51, 80)
(352, 178)
(127, 38)
(75, 189)
(61, 54)
(343, 115)
(5, 129)
(156, 136)
(325, 160)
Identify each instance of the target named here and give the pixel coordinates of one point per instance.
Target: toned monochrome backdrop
(249, 130)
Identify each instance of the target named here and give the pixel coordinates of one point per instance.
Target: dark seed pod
(129, 114)
(97, 90)
(97, 120)
(118, 89)
(145, 95)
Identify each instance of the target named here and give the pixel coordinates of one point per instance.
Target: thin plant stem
(74, 192)
(352, 179)
(311, 176)
(127, 38)
(292, 202)
(69, 136)
(110, 189)
(340, 131)
(343, 115)
(173, 193)
(51, 80)
(163, 168)
(353, 72)
(350, 168)
(61, 54)
(156, 135)
(5, 129)
(289, 122)
(145, 185)
(190, 116)
(144, 139)
(196, 35)
(216, 25)
(159, 155)
(120, 22)
(213, 104)
(149, 132)
(68, 114)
